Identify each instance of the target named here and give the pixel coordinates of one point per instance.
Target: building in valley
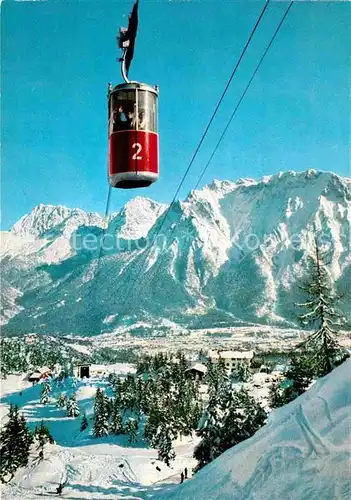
(232, 359)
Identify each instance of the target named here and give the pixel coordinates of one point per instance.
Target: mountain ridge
(230, 250)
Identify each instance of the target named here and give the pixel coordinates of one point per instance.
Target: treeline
(162, 402)
(158, 404)
(19, 356)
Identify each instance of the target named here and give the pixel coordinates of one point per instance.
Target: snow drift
(302, 453)
(230, 254)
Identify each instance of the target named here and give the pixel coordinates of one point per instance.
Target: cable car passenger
(133, 137)
(142, 120)
(119, 119)
(131, 120)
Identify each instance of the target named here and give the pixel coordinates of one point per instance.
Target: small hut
(197, 371)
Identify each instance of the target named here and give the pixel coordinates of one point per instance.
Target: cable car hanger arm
(123, 67)
(126, 41)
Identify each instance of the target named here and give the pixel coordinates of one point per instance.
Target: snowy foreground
(302, 453)
(102, 468)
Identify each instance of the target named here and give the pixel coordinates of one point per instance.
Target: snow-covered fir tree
(321, 314)
(297, 379)
(209, 430)
(45, 393)
(243, 418)
(15, 441)
(43, 436)
(116, 424)
(131, 428)
(160, 431)
(101, 414)
(166, 451)
(72, 406)
(61, 401)
(226, 423)
(242, 373)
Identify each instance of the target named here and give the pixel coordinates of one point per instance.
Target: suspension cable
(234, 112)
(243, 95)
(201, 140)
(96, 264)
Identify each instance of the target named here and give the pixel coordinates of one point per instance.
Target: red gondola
(133, 137)
(132, 119)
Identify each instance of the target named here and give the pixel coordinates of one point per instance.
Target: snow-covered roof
(232, 354)
(199, 367)
(44, 369)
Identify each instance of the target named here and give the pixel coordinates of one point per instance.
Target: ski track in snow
(93, 468)
(302, 453)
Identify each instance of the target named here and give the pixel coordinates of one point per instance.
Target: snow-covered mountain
(229, 254)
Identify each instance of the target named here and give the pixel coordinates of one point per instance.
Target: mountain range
(232, 253)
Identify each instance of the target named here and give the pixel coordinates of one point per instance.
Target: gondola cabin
(132, 136)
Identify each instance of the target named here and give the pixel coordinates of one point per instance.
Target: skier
(59, 489)
(181, 477)
(185, 473)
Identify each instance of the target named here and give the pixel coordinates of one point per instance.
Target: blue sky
(58, 56)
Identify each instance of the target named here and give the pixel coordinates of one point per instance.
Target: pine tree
(166, 452)
(226, 423)
(72, 406)
(43, 436)
(243, 373)
(3, 373)
(321, 346)
(15, 441)
(61, 401)
(277, 395)
(244, 417)
(45, 393)
(116, 425)
(298, 377)
(101, 413)
(209, 430)
(131, 428)
(84, 424)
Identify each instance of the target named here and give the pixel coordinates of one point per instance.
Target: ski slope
(102, 468)
(302, 453)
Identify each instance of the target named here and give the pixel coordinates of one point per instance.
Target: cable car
(132, 137)
(132, 122)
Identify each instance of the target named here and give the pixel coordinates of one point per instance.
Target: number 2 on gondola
(137, 146)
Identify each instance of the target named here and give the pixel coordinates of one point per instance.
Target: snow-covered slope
(303, 452)
(94, 468)
(229, 254)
